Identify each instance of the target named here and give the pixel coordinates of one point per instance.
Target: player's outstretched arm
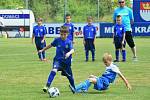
(32, 38)
(47, 47)
(125, 81)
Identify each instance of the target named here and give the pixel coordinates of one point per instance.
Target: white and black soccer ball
(53, 92)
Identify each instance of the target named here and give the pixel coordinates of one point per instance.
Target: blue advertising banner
(15, 16)
(141, 10)
(138, 29)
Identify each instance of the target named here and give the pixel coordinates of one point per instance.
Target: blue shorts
(101, 84)
(63, 67)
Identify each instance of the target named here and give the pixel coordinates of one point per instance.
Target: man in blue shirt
(127, 19)
(62, 59)
(119, 39)
(39, 32)
(89, 33)
(70, 27)
(102, 82)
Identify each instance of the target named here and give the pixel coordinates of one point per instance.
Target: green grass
(22, 76)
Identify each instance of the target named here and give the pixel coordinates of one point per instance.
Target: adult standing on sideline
(127, 19)
(39, 32)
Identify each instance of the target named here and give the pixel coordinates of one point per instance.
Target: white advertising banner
(53, 29)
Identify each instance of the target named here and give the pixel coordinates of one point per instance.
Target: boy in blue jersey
(39, 32)
(70, 27)
(127, 19)
(102, 82)
(62, 59)
(89, 33)
(119, 39)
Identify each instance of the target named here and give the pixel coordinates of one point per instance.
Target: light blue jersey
(111, 73)
(126, 14)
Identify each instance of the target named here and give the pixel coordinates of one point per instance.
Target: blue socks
(123, 52)
(50, 78)
(84, 86)
(87, 54)
(93, 54)
(41, 55)
(124, 55)
(117, 55)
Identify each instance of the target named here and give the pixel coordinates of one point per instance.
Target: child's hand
(40, 51)
(83, 42)
(122, 42)
(129, 87)
(42, 41)
(67, 55)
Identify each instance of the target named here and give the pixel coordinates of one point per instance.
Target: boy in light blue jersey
(119, 39)
(127, 19)
(89, 34)
(62, 59)
(39, 32)
(70, 27)
(102, 82)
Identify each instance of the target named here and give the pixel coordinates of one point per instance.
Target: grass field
(22, 75)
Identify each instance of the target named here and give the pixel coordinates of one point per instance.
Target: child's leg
(69, 75)
(93, 54)
(93, 49)
(123, 55)
(43, 53)
(117, 54)
(51, 77)
(83, 86)
(87, 54)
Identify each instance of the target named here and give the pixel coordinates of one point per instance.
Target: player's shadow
(95, 92)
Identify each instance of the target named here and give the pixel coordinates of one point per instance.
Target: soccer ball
(53, 92)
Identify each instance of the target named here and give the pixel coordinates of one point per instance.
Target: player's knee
(55, 70)
(92, 80)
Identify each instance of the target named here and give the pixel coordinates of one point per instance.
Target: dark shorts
(63, 67)
(1, 28)
(38, 43)
(129, 39)
(118, 43)
(89, 44)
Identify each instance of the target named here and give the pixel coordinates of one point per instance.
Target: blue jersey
(126, 14)
(89, 31)
(71, 30)
(62, 47)
(39, 31)
(119, 31)
(111, 73)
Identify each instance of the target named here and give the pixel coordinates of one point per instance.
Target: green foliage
(53, 10)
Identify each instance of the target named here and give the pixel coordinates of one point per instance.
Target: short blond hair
(107, 57)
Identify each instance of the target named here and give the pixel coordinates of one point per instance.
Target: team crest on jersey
(145, 10)
(67, 46)
(41, 30)
(70, 27)
(120, 28)
(59, 45)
